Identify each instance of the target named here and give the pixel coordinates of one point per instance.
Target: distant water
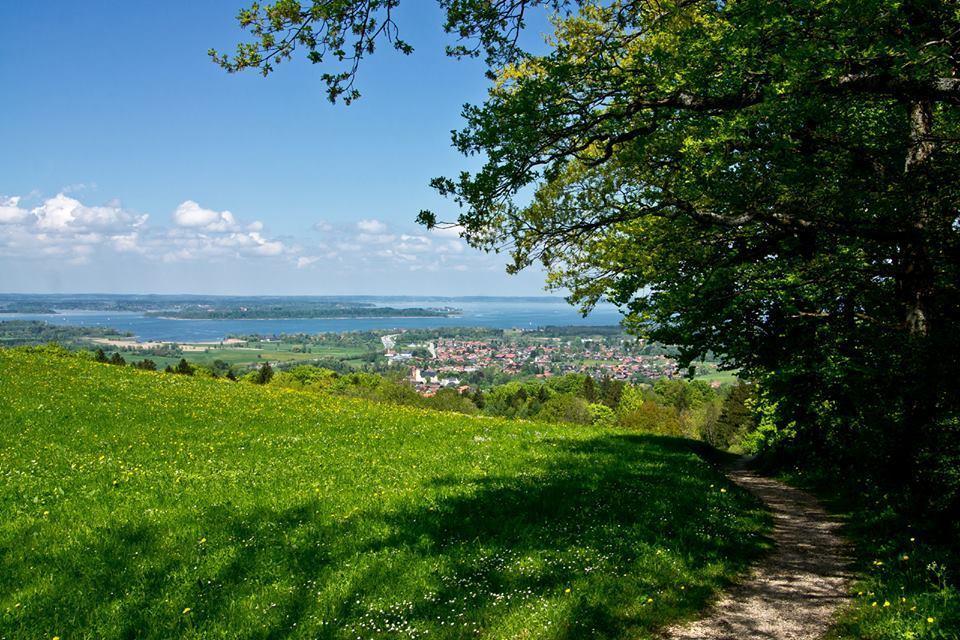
(500, 313)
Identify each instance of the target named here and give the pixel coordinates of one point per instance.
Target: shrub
(264, 373)
(565, 407)
(602, 415)
(650, 417)
(736, 419)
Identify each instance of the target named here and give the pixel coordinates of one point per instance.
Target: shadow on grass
(620, 521)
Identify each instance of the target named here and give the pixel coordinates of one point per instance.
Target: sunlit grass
(907, 587)
(136, 504)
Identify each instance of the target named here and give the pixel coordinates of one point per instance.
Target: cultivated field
(149, 505)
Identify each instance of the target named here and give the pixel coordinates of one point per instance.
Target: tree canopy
(774, 181)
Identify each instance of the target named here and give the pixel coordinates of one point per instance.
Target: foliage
(736, 419)
(908, 583)
(146, 364)
(565, 407)
(264, 374)
(601, 415)
(770, 181)
(650, 417)
(451, 400)
(140, 504)
(28, 332)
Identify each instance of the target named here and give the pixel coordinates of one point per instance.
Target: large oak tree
(772, 180)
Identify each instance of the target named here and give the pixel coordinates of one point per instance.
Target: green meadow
(150, 505)
(251, 356)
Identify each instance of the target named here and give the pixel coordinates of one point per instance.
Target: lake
(500, 313)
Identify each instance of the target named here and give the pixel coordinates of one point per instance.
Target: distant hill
(139, 504)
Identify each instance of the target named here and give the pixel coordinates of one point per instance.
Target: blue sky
(133, 164)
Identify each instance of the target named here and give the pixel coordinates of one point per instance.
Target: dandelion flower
(886, 603)
(931, 620)
(567, 590)
(186, 610)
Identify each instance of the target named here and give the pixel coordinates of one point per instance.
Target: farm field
(245, 356)
(140, 504)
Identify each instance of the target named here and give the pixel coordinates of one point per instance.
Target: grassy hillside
(137, 504)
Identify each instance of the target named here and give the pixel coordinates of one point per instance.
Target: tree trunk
(916, 289)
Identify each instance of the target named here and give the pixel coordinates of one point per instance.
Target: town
(456, 362)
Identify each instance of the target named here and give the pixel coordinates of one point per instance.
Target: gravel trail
(793, 593)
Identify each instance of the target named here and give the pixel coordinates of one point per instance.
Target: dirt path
(793, 593)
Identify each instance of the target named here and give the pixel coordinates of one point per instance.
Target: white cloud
(191, 214)
(375, 244)
(453, 231)
(450, 246)
(372, 226)
(10, 211)
(63, 230)
(79, 186)
(64, 227)
(126, 242)
(63, 214)
(306, 261)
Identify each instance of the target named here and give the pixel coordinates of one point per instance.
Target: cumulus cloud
(452, 231)
(63, 214)
(191, 214)
(64, 227)
(65, 230)
(377, 245)
(10, 211)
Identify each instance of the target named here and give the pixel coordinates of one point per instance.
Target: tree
(220, 368)
(183, 367)
(264, 373)
(117, 359)
(100, 356)
(589, 390)
(479, 400)
(611, 391)
(735, 419)
(146, 364)
(770, 181)
(565, 407)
